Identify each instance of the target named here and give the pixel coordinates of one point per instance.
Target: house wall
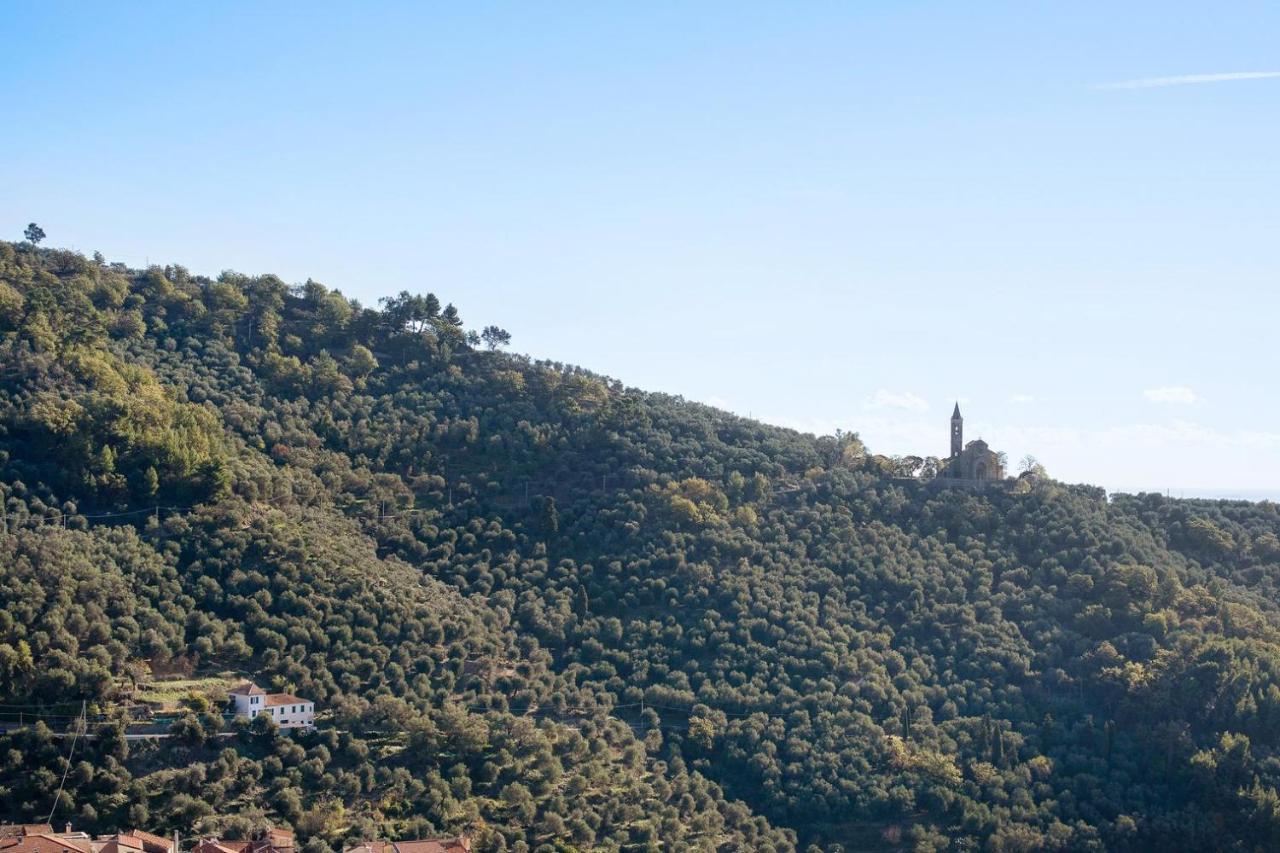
(293, 716)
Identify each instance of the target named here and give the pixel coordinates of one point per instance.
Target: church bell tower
(957, 432)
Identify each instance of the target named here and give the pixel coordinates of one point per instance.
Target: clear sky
(1067, 215)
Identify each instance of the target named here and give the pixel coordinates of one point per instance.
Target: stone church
(972, 461)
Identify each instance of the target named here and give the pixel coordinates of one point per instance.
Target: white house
(288, 711)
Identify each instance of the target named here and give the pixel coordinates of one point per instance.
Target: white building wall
(249, 706)
(294, 715)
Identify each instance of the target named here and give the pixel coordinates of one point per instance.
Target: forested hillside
(570, 615)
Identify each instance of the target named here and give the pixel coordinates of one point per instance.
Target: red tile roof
(152, 843)
(458, 844)
(233, 846)
(46, 843)
(119, 844)
(17, 830)
(247, 689)
(271, 840)
(277, 699)
(279, 839)
(213, 845)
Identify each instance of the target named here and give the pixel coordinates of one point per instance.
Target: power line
(84, 724)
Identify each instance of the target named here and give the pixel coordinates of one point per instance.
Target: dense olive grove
(571, 615)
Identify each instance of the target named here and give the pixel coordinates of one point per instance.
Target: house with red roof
(288, 711)
(269, 840)
(42, 838)
(47, 842)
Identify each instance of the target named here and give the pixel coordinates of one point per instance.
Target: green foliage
(560, 611)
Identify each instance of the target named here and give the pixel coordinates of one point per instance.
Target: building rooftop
(455, 844)
(17, 830)
(119, 843)
(150, 841)
(247, 689)
(212, 845)
(47, 842)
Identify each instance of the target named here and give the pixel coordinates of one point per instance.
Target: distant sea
(1210, 494)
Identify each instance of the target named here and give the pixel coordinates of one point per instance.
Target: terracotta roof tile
(17, 830)
(458, 844)
(247, 689)
(213, 845)
(151, 841)
(120, 844)
(47, 843)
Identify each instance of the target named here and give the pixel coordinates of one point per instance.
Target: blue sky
(824, 215)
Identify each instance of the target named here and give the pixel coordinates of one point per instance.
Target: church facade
(972, 461)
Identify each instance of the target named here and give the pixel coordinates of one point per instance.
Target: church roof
(956, 413)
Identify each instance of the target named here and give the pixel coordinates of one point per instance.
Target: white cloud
(1131, 456)
(1176, 395)
(1189, 80)
(905, 400)
(1022, 399)
(717, 401)
(1177, 454)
